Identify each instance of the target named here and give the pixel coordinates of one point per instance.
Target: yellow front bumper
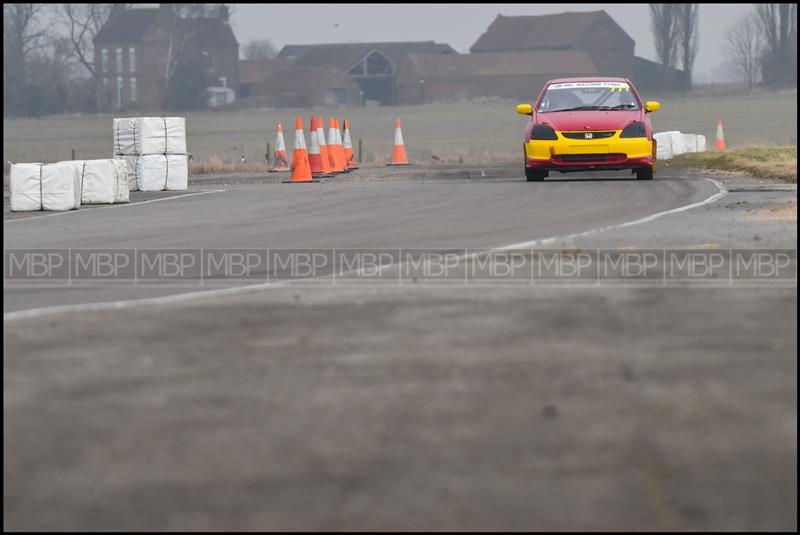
(633, 147)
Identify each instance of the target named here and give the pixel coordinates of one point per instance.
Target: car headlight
(541, 131)
(634, 130)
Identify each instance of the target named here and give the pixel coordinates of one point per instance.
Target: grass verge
(762, 162)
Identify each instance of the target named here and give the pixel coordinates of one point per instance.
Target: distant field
(475, 132)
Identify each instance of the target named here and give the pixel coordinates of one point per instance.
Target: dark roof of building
(305, 78)
(126, 26)
(253, 71)
(130, 26)
(646, 63)
(344, 55)
(550, 62)
(561, 30)
(212, 32)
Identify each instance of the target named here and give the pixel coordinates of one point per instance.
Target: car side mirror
(524, 109)
(652, 105)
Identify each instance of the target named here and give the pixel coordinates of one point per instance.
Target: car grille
(578, 158)
(582, 135)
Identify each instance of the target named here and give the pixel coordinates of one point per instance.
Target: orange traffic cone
(323, 146)
(314, 154)
(349, 159)
(301, 170)
(399, 151)
(281, 159)
(333, 151)
(720, 142)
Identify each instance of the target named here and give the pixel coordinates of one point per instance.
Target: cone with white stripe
(349, 159)
(399, 151)
(340, 146)
(333, 150)
(301, 170)
(719, 143)
(281, 159)
(323, 146)
(314, 154)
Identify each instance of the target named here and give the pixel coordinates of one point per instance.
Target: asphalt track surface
(431, 214)
(421, 407)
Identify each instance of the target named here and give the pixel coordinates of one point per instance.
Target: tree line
(49, 66)
(48, 57)
(761, 44)
(675, 37)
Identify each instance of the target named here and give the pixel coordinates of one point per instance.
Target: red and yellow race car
(589, 124)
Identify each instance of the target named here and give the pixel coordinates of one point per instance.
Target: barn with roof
(517, 55)
(253, 72)
(512, 74)
(595, 32)
(132, 48)
(373, 66)
(278, 83)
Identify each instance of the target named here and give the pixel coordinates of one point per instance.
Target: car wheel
(645, 173)
(535, 175)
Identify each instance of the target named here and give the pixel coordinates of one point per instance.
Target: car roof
(589, 79)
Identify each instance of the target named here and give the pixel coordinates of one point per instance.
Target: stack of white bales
(674, 142)
(154, 149)
(66, 185)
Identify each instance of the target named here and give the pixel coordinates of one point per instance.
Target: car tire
(644, 174)
(535, 175)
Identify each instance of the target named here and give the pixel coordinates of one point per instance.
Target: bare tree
(664, 23)
(743, 47)
(82, 22)
(778, 25)
(687, 32)
(22, 35)
(259, 49)
(186, 65)
(182, 33)
(50, 89)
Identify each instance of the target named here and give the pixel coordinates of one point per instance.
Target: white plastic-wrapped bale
(124, 136)
(130, 164)
(178, 172)
(158, 172)
(161, 135)
(150, 135)
(61, 186)
(663, 145)
(97, 180)
(701, 143)
(690, 142)
(676, 140)
(121, 191)
(55, 186)
(26, 187)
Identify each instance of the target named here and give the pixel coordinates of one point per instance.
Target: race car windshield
(581, 96)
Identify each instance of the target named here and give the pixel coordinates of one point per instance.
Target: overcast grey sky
(457, 25)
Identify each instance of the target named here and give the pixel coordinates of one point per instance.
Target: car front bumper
(579, 155)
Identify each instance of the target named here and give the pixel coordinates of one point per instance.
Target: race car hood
(588, 120)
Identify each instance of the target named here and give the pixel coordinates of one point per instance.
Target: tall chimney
(224, 13)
